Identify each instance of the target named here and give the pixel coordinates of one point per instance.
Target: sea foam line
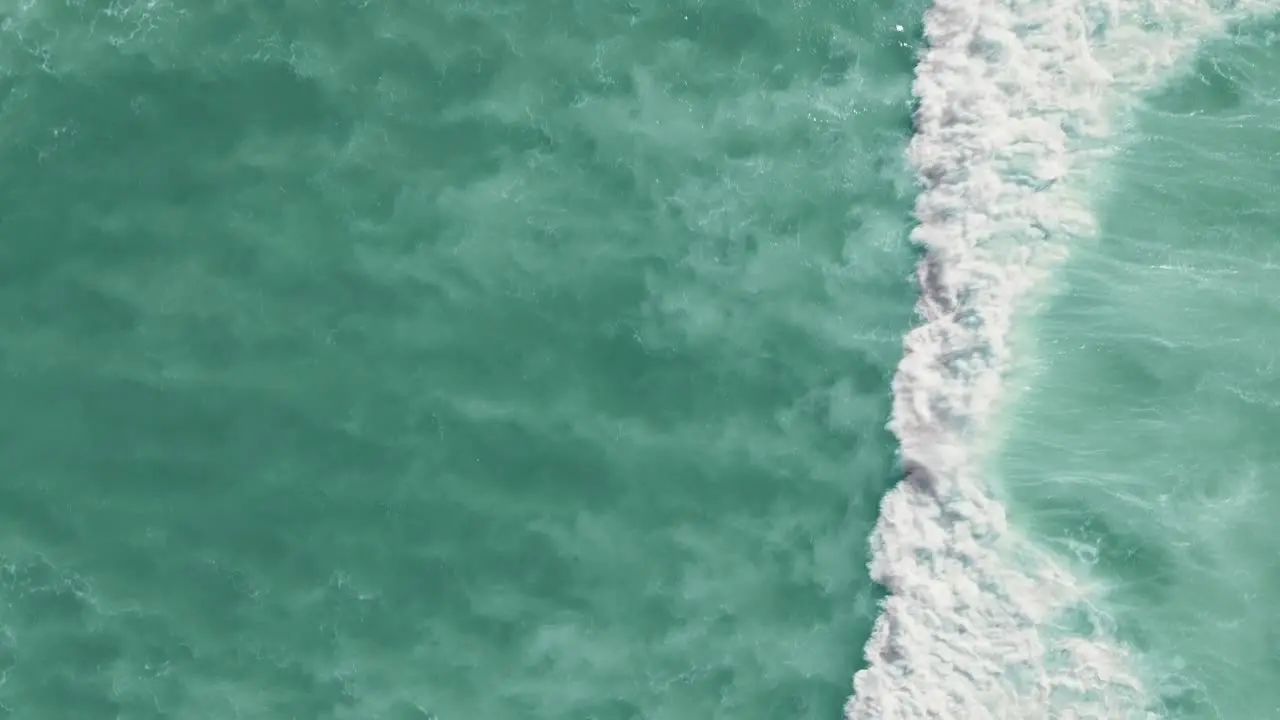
(1016, 102)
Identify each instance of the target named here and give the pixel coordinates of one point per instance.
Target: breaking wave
(1018, 103)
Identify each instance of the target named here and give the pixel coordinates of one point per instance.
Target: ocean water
(1146, 449)
(435, 359)
(1087, 411)
(626, 359)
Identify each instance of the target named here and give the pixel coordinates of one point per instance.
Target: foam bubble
(1016, 106)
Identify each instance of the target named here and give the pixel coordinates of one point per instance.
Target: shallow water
(1147, 446)
(1058, 357)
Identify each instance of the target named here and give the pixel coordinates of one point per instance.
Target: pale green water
(1150, 440)
(465, 361)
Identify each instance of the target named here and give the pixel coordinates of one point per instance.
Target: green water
(451, 360)
(1147, 445)
(506, 360)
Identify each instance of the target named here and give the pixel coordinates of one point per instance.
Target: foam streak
(1015, 105)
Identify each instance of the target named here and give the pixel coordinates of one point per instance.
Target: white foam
(1016, 102)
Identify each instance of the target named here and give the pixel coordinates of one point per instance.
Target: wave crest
(1016, 104)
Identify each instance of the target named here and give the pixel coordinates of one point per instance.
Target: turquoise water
(481, 360)
(1148, 444)
(1085, 410)
(446, 360)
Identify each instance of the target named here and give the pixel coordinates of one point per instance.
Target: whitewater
(1017, 105)
(482, 360)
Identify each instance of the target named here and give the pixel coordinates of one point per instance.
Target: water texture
(481, 360)
(1156, 389)
(445, 360)
(1054, 141)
